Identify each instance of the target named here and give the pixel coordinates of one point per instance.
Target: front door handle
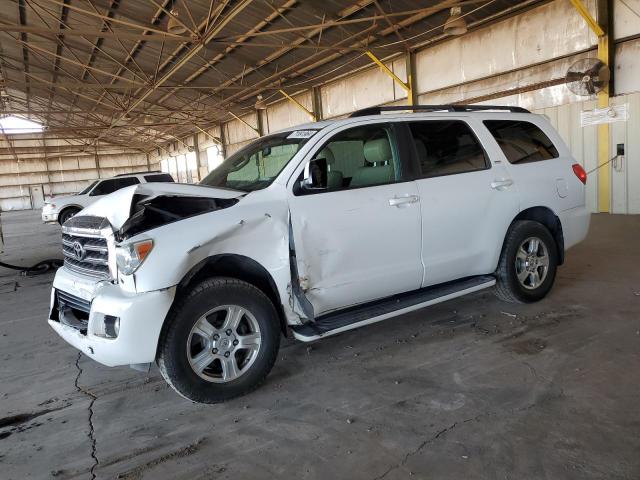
(398, 201)
(501, 184)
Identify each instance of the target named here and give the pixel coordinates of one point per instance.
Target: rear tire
(66, 214)
(528, 263)
(220, 342)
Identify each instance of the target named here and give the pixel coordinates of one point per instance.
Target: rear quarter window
(521, 142)
(446, 148)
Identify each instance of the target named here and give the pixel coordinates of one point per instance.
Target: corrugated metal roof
(107, 70)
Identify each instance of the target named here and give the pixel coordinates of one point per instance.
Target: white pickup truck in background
(62, 208)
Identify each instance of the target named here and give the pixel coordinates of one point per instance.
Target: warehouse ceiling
(114, 71)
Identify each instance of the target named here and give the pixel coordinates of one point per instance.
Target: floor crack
(456, 424)
(92, 398)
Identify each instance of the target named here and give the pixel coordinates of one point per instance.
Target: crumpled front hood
(117, 207)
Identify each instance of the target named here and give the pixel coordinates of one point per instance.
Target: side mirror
(315, 175)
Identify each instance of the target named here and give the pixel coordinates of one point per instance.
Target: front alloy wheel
(224, 343)
(220, 341)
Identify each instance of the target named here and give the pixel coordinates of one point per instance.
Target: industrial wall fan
(587, 76)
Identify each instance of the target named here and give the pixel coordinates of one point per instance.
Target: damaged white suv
(313, 231)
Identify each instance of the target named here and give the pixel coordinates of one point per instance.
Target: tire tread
(167, 369)
(505, 288)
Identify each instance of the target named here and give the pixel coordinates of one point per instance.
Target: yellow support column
(406, 86)
(604, 180)
(584, 12)
(596, 26)
(299, 105)
(245, 123)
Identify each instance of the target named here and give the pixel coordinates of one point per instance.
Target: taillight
(580, 173)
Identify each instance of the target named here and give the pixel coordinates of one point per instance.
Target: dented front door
(359, 245)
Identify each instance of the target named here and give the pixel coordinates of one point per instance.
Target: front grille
(86, 255)
(76, 303)
(72, 311)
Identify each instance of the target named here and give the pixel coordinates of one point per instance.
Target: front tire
(528, 263)
(66, 214)
(221, 341)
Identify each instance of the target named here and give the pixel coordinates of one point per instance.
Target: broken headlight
(129, 256)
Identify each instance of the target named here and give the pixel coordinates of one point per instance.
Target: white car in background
(313, 231)
(61, 209)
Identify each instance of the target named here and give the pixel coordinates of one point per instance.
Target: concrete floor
(472, 388)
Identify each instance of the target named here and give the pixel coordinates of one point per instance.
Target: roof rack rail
(137, 173)
(436, 108)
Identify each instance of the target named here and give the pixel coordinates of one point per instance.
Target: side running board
(368, 313)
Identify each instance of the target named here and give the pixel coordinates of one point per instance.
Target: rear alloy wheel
(528, 263)
(532, 263)
(221, 340)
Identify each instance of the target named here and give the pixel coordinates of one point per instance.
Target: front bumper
(49, 216)
(141, 317)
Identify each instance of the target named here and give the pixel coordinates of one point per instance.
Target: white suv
(313, 231)
(61, 209)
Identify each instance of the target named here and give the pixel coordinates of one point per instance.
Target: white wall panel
(286, 114)
(205, 140)
(439, 66)
(399, 67)
(513, 80)
(23, 179)
(72, 176)
(625, 176)
(364, 89)
(65, 172)
(632, 160)
(120, 161)
(582, 141)
(626, 18)
(517, 42)
(627, 73)
(231, 149)
(16, 203)
(620, 169)
(236, 131)
(67, 187)
(483, 56)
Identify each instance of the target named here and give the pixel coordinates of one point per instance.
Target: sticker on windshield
(302, 134)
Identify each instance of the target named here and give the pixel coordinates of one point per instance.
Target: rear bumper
(141, 318)
(575, 225)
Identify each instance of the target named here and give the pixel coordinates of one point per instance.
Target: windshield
(86, 190)
(259, 163)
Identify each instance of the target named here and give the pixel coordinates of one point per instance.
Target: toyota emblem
(78, 251)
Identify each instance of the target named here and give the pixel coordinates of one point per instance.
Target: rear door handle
(398, 201)
(501, 184)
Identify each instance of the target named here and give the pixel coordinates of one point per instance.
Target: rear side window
(446, 148)
(522, 142)
(158, 178)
